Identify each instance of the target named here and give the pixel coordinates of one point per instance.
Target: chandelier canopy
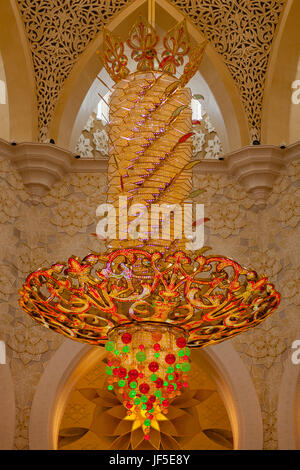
(149, 300)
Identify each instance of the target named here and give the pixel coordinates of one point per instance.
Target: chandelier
(147, 300)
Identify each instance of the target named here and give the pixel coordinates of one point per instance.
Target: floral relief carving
(211, 186)
(7, 282)
(77, 194)
(226, 219)
(12, 193)
(294, 170)
(266, 262)
(39, 230)
(270, 427)
(208, 124)
(289, 208)
(267, 345)
(84, 147)
(9, 202)
(290, 287)
(206, 142)
(66, 216)
(26, 376)
(57, 193)
(90, 123)
(22, 427)
(29, 342)
(6, 320)
(198, 141)
(237, 193)
(214, 148)
(281, 185)
(30, 258)
(101, 141)
(93, 141)
(93, 186)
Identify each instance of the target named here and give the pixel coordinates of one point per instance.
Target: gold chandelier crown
(143, 40)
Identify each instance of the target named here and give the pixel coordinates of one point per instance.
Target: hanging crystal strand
(147, 365)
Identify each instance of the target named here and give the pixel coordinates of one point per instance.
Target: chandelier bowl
(211, 298)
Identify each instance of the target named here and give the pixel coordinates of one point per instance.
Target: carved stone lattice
(58, 32)
(242, 32)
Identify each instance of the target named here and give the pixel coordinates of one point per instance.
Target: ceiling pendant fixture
(147, 300)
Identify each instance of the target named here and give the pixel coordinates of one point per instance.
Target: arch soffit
(288, 409)
(20, 81)
(280, 118)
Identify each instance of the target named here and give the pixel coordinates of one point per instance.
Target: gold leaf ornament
(192, 67)
(177, 45)
(114, 59)
(143, 40)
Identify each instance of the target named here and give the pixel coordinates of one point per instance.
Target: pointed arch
(69, 364)
(80, 92)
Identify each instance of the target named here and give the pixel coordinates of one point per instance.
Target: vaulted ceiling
(241, 31)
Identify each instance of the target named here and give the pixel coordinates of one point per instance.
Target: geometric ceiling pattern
(241, 31)
(94, 419)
